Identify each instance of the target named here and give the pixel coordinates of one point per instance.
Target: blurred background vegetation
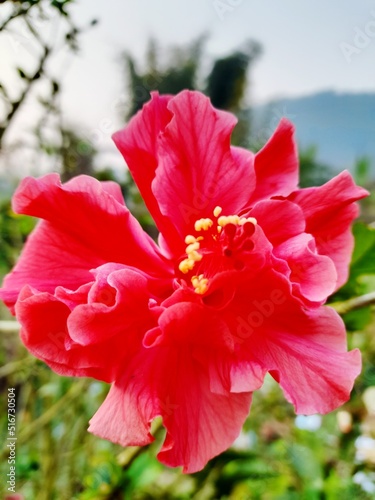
(278, 455)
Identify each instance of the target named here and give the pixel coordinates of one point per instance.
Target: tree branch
(353, 304)
(15, 105)
(14, 15)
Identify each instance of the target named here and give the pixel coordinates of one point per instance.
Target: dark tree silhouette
(226, 83)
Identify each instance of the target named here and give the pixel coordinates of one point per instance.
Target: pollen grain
(200, 284)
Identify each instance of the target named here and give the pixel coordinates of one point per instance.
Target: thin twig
(14, 15)
(9, 326)
(353, 304)
(15, 105)
(15, 366)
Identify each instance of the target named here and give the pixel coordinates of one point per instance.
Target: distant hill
(342, 126)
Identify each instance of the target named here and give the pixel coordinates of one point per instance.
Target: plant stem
(15, 366)
(353, 304)
(9, 326)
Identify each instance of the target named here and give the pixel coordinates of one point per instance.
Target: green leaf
(358, 319)
(364, 236)
(363, 262)
(246, 469)
(305, 464)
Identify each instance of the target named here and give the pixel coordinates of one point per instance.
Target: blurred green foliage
(181, 68)
(13, 232)
(312, 172)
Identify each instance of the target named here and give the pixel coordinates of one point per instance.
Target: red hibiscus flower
(186, 329)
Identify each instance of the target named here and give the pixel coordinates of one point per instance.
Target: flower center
(222, 244)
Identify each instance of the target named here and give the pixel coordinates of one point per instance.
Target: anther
(200, 284)
(186, 265)
(190, 239)
(195, 256)
(192, 247)
(223, 220)
(204, 224)
(217, 211)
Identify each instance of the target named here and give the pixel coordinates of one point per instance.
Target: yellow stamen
(195, 256)
(217, 211)
(195, 281)
(186, 265)
(204, 224)
(200, 284)
(193, 246)
(228, 219)
(243, 220)
(190, 239)
(253, 220)
(223, 220)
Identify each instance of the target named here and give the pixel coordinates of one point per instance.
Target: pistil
(229, 235)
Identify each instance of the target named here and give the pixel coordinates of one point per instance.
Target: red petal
(315, 377)
(304, 349)
(179, 324)
(126, 413)
(44, 333)
(201, 416)
(84, 227)
(177, 380)
(118, 305)
(168, 381)
(138, 142)
(246, 375)
(329, 212)
(92, 331)
(276, 164)
(197, 167)
(200, 423)
(280, 220)
(314, 276)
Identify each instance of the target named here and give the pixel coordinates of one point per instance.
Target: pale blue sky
(302, 41)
